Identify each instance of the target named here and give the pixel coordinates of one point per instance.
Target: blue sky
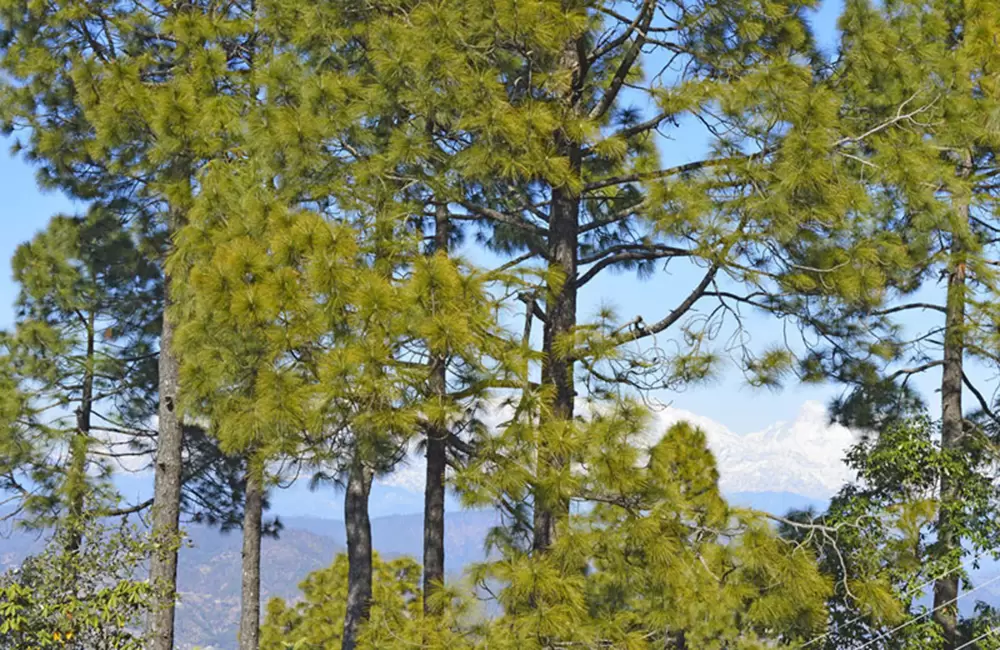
(727, 399)
(26, 210)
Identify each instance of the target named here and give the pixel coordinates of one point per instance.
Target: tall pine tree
(933, 70)
(554, 119)
(111, 97)
(84, 349)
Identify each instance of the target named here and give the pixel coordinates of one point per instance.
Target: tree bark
(252, 514)
(952, 431)
(76, 486)
(437, 450)
(76, 481)
(166, 489)
(946, 589)
(359, 552)
(434, 526)
(557, 367)
(560, 301)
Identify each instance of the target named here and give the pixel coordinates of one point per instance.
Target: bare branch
(130, 510)
(640, 332)
(631, 256)
(625, 67)
(502, 217)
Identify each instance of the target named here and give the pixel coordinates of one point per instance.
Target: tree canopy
(316, 240)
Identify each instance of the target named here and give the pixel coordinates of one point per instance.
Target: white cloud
(409, 475)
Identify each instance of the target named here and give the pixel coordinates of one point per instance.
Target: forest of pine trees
(317, 237)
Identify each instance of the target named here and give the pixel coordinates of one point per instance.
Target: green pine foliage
(316, 621)
(263, 179)
(540, 126)
(82, 354)
(922, 79)
(657, 559)
(501, 115)
(653, 556)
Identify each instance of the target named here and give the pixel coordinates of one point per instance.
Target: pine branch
(647, 8)
(642, 127)
(641, 332)
(625, 67)
(900, 116)
(672, 171)
(912, 305)
(621, 215)
(620, 248)
(631, 256)
(983, 404)
(131, 510)
(698, 165)
(483, 212)
(907, 372)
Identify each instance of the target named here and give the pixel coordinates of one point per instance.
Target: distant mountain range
(804, 456)
(790, 465)
(209, 565)
(209, 577)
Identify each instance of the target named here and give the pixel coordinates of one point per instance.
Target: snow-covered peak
(803, 456)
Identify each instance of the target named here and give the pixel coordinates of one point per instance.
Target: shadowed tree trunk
(250, 600)
(76, 487)
(952, 425)
(166, 489)
(437, 450)
(557, 368)
(560, 301)
(359, 552)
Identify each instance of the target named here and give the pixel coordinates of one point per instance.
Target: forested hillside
(313, 244)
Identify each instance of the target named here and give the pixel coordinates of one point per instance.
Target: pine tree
(553, 132)
(113, 96)
(83, 349)
(438, 320)
(657, 558)
(314, 622)
(931, 69)
(666, 563)
(292, 327)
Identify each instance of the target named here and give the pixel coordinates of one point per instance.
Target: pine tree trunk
(437, 450)
(434, 495)
(359, 552)
(76, 481)
(76, 487)
(560, 301)
(166, 489)
(952, 432)
(557, 369)
(252, 515)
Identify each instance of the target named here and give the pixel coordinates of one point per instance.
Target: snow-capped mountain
(803, 456)
(789, 464)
